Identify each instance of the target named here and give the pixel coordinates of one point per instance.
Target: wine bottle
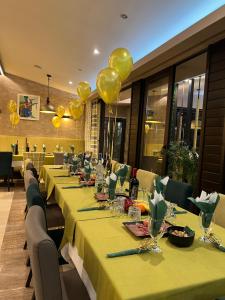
(17, 148)
(134, 184)
(27, 146)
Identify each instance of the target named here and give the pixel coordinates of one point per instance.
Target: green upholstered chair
(178, 192)
(49, 283)
(6, 167)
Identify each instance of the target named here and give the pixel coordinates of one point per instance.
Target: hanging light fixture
(48, 108)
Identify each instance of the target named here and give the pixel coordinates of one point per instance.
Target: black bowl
(178, 240)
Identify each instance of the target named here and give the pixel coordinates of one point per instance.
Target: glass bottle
(134, 184)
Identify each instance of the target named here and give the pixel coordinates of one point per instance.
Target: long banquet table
(197, 272)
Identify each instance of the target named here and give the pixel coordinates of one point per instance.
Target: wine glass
(206, 223)
(156, 231)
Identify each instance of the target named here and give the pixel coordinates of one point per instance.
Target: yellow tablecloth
(70, 200)
(194, 273)
(49, 159)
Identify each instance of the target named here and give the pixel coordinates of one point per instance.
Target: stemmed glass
(155, 234)
(206, 228)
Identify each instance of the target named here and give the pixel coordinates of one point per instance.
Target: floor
(13, 271)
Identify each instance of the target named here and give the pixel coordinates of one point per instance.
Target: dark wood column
(213, 145)
(137, 104)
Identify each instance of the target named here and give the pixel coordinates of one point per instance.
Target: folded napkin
(72, 187)
(122, 173)
(207, 204)
(160, 184)
(158, 208)
(111, 181)
(179, 212)
(91, 208)
(61, 176)
(127, 252)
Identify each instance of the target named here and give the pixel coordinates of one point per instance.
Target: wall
(212, 168)
(11, 85)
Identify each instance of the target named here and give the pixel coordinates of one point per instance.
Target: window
(154, 125)
(188, 102)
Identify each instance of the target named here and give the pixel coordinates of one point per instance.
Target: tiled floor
(13, 271)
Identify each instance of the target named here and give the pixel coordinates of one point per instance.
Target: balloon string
(114, 130)
(108, 133)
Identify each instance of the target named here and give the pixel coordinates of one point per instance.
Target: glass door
(154, 126)
(114, 135)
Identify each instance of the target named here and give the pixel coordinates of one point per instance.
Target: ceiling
(60, 36)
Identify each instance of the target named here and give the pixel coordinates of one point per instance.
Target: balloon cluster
(109, 80)
(14, 116)
(57, 120)
(76, 106)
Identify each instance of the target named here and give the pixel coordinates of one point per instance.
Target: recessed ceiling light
(124, 16)
(70, 82)
(96, 51)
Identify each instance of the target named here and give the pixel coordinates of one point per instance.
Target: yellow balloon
(108, 85)
(60, 111)
(76, 109)
(121, 60)
(84, 90)
(14, 118)
(12, 106)
(56, 121)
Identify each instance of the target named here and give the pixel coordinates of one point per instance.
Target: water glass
(134, 213)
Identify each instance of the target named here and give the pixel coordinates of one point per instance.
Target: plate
(140, 230)
(101, 196)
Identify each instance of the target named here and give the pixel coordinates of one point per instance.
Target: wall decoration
(28, 106)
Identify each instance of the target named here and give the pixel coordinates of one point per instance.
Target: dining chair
(113, 164)
(53, 218)
(37, 159)
(58, 158)
(146, 179)
(219, 214)
(6, 167)
(178, 192)
(49, 282)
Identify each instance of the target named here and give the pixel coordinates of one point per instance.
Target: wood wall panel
(137, 98)
(212, 169)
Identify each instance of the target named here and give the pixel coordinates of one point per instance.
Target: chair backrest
(34, 197)
(43, 256)
(29, 179)
(178, 192)
(58, 158)
(5, 164)
(113, 163)
(37, 159)
(220, 211)
(146, 179)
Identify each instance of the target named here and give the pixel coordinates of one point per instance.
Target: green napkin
(160, 184)
(91, 208)
(158, 210)
(127, 252)
(122, 174)
(61, 176)
(207, 204)
(87, 170)
(112, 185)
(72, 187)
(179, 212)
